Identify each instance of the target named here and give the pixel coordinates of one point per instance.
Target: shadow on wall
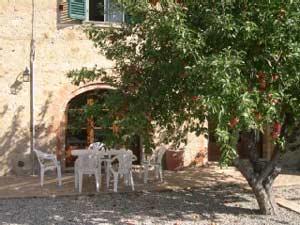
(13, 145)
(15, 157)
(16, 87)
(45, 136)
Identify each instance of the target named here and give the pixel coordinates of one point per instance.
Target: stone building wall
(60, 46)
(14, 102)
(57, 51)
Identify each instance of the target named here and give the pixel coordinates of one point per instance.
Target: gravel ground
(215, 205)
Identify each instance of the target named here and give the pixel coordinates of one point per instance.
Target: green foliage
(181, 64)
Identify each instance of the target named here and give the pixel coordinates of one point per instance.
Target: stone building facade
(40, 32)
(40, 35)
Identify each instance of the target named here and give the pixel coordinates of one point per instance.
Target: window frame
(106, 21)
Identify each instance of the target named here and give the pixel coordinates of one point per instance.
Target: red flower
(275, 76)
(261, 75)
(195, 98)
(277, 127)
(234, 121)
(263, 85)
(274, 135)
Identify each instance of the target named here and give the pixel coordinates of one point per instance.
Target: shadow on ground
(125, 208)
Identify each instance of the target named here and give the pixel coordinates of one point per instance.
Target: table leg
(108, 165)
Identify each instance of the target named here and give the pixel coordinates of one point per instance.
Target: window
(96, 10)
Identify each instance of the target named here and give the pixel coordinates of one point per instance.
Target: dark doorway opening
(82, 131)
(214, 152)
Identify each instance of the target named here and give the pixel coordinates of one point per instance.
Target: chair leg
(161, 173)
(131, 180)
(141, 171)
(80, 181)
(156, 168)
(100, 177)
(42, 176)
(97, 180)
(105, 166)
(59, 175)
(76, 179)
(146, 169)
(107, 174)
(126, 180)
(115, 182)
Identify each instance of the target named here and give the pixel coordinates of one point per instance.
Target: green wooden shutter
(77, 9)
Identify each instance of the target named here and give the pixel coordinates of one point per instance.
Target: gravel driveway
(215, 205)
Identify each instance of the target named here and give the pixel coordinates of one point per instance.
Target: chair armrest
(134, 158)
(48, 156)
(113, 158)
(51, 157)
(146, 162)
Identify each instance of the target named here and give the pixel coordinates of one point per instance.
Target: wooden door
(214, 152)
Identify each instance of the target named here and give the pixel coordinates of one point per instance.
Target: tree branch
(246, 171)
(275, 157)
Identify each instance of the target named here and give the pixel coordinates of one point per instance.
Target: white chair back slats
(87, 162)
(125, 162)
(113, 152)
(97, 146)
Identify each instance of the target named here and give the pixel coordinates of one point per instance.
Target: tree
(182, 63)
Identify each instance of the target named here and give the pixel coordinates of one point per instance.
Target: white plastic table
(104, 156)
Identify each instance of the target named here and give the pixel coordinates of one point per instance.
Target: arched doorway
(81, 130)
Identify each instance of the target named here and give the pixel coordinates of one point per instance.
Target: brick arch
(83, 89)
(64, 96)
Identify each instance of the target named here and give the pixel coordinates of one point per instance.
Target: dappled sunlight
(190, 178)
(15, 186)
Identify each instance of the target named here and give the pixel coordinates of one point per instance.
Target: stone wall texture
(60, 46)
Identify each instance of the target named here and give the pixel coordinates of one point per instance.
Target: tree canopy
(179, 64)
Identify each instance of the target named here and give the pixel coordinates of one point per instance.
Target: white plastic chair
(47, 162)
(108, 161)
(87, 164)
(156, 162)
(122, 169)
(97, 146)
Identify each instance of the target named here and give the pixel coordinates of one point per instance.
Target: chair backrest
(124, 161)
(97, 146)
(114, 152)
(38, 154)
(87, 161)
(45, 158)
(160, 153)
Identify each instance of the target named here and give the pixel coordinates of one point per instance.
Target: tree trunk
(262, 190)
(265, 199)
(260, 175)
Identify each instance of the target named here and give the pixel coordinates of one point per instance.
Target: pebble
(195, 207)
